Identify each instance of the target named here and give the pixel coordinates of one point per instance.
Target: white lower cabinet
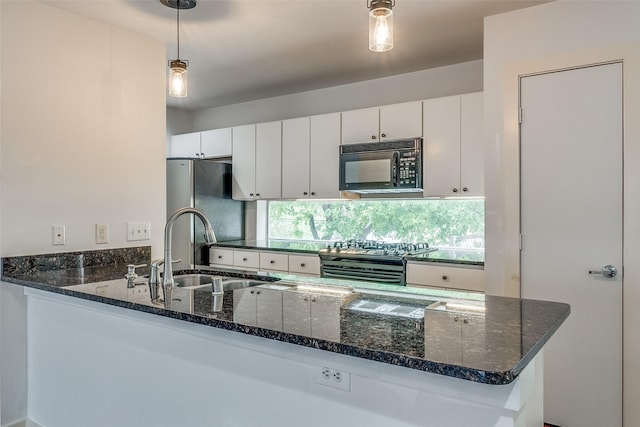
(445, 276)
(304, 264)
(246, 259)
(258, 307)
(221, 257)
(273, 261)
(452, 337)
(312, 314)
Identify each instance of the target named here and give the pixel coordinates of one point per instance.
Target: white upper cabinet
(361, 126)
(310, 159)
(452, 150)
(384, 123)
(216, 143)
(185, 145)
(399, 121)
(268, 152)
(471, 144)
(325, 160)
(295, 158)
(200, 145)
(244, 162)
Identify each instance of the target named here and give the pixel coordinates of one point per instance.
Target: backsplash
(61, 261)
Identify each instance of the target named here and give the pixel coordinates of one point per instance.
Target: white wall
(432, 83)
(547, 37)
(83, 140)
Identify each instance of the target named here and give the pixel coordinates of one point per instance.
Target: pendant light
(178, 67)
(380, 25)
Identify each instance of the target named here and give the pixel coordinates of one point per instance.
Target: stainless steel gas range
(369, 260)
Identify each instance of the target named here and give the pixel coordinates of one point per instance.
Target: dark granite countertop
(442, 255)
(403, 330)
(451, 256)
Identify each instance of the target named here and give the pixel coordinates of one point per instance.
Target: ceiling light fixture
(178, 67)
(380, 25)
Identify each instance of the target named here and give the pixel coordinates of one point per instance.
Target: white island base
(92, 364)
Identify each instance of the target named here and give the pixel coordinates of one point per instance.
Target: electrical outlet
(138, 231)
(102, 233)
(58, 234)
(334, 378)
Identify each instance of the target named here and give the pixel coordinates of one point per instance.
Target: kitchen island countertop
(513, 330)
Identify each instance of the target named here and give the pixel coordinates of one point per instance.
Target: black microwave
(382, 167)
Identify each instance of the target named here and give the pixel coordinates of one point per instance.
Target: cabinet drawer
(304, 264)
(220, 256)
(246, 259)
(274, 261)
(471, 279)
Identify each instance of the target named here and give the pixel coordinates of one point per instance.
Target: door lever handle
(608, 271)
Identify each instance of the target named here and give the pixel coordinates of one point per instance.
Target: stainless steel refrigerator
(205, 185)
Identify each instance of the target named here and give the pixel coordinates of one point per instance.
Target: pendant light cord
(178, 21)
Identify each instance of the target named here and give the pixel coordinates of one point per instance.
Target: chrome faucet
(167, 272)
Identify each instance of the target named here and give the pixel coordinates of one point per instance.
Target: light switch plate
(58, 234)
(138, 231)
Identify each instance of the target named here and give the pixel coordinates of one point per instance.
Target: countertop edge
(454, 371)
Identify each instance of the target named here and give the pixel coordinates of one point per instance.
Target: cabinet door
(216, 143)
(186, 145)
(220, 256)
(269, 308)
(474, 338)
(295, 158)
(442, 337)
(471, 144)
(296, 313)
(274, 261)
(401, 121)
(360, 125)
(244, 162)
(325, 317)
(269, 160)
(304, 264)
(246, 259)
(441, 157)
(244, 306)
(470, 279)
(324, 153)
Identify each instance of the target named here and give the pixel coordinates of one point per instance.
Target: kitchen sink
(200, 281)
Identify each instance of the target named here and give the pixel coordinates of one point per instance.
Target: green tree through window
(441, 222)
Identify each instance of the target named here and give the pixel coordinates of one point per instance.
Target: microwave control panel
(408, 170)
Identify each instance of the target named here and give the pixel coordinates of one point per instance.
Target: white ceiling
(241, 50)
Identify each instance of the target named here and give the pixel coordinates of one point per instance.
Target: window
(443, 222)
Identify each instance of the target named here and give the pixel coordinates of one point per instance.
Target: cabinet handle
(444, 277)
(373, 137)
(306, 299)
(244, 259)
(257, 194)
(455, 319)
(313, 193)
(465, 321)
(251, 194)
(197, 155)
(384, 135)
(257, 292)
(465, 189)
(272, 262)
(313, 299)
(305, 193)
(252, 292)
(202, 155)
(219, 256)
(302, 264)
(455, 190)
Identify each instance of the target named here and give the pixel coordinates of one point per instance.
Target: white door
(243, 162)
(324, 148)
(295, 158)
(571, 223)
(269, 160)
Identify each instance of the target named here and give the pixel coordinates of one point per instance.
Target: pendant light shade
(178, 67)
(177, 78)
(380, 25)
